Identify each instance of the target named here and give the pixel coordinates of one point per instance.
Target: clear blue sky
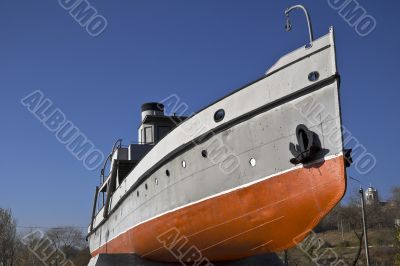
(199, 50)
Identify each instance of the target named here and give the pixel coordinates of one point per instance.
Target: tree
(83, 257)
(27, 248)
(68, 239)
(397, 259)
(395, 197)
(8, 238)
(57, 246)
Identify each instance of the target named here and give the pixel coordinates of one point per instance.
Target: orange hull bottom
(271, 215)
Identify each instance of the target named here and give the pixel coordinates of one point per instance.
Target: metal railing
(117, 144)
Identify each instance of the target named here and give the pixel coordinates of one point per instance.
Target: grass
(340, 250)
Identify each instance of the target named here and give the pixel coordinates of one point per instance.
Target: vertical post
(341, 226)
(96, 193)
(364, 220)
(286, 258)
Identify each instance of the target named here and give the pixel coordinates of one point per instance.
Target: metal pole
(288, 24)
(286, 258)
(364, 220)
(341, 226)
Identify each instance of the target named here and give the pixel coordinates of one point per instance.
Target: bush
(397, 258)
(344, 244)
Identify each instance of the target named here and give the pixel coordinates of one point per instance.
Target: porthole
(313, 76)
(156, 181)
(167, 172)
(252, 162)
(146, 187)
(204, 153)
(184, 164)
(219, 115)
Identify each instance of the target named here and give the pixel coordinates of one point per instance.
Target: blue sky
(198, 50)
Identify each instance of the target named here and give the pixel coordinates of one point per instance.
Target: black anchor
(308, 146)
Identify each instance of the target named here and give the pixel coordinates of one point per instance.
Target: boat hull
(272, 214)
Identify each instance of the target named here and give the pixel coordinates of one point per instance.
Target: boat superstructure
(252, 173)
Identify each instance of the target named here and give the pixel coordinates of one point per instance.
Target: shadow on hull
(134, 260)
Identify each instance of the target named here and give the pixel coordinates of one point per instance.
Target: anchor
(308, 145)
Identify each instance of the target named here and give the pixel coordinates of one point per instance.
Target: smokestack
(152, 108)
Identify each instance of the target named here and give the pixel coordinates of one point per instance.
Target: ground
(325, 248)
